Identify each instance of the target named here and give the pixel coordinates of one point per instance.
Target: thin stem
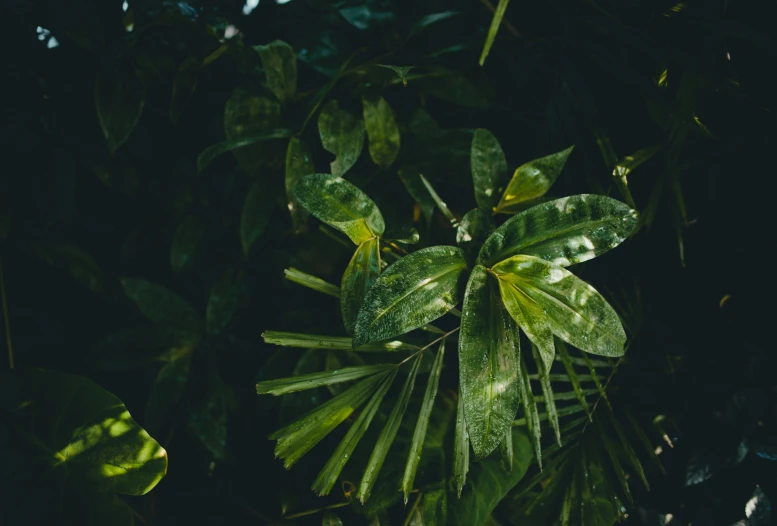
(5, 317)
(396, 247)
(604, 389)
(317, 510)
(409, 516)
(422, 349)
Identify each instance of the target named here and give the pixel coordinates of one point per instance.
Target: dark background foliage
(563, 72)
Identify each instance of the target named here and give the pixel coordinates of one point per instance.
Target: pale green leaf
(488, 165)
(280, 68)
(166, 392)
(223, 300)
(533, 179)
(311, 282)
(162, 306)
(386, 438)
(565, 231)
(493, 29)
(416, 290)
(237, 144)
(255, 215)
(358, 277)
(342, 134)
(119, 97)
(489, 349)
(531, 318)
(577, 313)
(530, 411)
(460, 449)
(299, 163)
(547, 393)
(316, 341)
(302, 382)
(417, 443)
(185, 242)
(382, 131)
(340, 205)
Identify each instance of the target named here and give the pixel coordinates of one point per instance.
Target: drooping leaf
(417, 442)
(489, 348)
(255, 215)
(493, 29)
(460, 449)
(299, 163)
(238, 145)
(167, 391)
(185, 242)
(533, 179)
(530, 411)
(280, 68)
(489, 167)
(223, 300)
(119, 96)
(386, 438)
(250, 118)
(358, 277)
(411, 178)
(576, 312)
(564, 231)
(143, 346)
(292, 384)
(342, 134)
(382, 131)
(315, 341)
(414, 291)
(162, 306)
(547, 393)
(311, 282)
(340, 205)
(435, 508)
(472, 231)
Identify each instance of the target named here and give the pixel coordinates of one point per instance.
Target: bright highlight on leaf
(533, 180)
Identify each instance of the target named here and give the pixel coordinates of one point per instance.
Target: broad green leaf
(439, 202)
(387, 435)
(577, 313)
(547, 393)
(489, 483)
(506, 450)
(330, 519)
(119, 96)
(315, 341)
(87, 434)
(414, 291)
(166, 392)
(489, 349)
(187, 239)
(280, 68)
(564, 231)
(327, 478)
(530, 411)
(299, 437)
(460, 449)
(358, 277)
(340, 205)
(417, 443)
(238, 145)
(435, 508)
(311, 282)
(143, 346)
(493, 29)
(292, 384)
(299, 163)
(531, 318)
(533, 179)
(382, 131)
(411, 178)
(488, 165)
(162, 306)
(249, 120)
(342, 134)
(223, 301)
(472, 231)
(255, 215)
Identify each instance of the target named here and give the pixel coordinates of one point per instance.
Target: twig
(5, 317)
(311, 512)
(601, 393)
(507, 24)
(422, 349)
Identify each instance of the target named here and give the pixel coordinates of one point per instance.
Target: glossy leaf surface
(533, 179)
(382, 131)
(342, 134)
(489, 168)
(358, 277)
(316, 341)
(472, 231)
(280, 68)
(460, 449)
(255, 215)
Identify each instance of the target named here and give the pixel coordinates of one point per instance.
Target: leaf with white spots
(382, 131)
(489, 168)
(358, 277)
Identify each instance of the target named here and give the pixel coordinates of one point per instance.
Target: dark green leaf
(578, 389)
(530, 411)
(611, 448)
(506, 450)
(414, 291)
(453, 86)
(143, 346)
(211, 152)
(428, 20)
(280, 68)
(547, 393)
(299, 163)
(460, 449)
(382, 131)
(330, 519)
(473, 230)
(488, 165)
(223, 300)
(411, 178)
(341, 205)
(407, 235)
(643, 438)
(184, 84)
(564, 231)
(489, 348)
(166, 392)
(255, 215)
(208, 418)
(315, 341)
(120, 97)
(162, 306)
(311, 282)
(435, 508)
(533, 180)
(79, 264)
(628, 450)
(341, 134)
(187, 239)
(493, 29)
(401, 71)
(292, 384)
(360, 275)
(249, 120)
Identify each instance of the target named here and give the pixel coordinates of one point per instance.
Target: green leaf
(472, 231)
(414, 291)
(293, 384)
(330, 519)
(143, 346)
(315, 341)
(439, 202)
(411, 178)
(237, 144)
(162, 306)
(187, 239)
(223, 300)
(358, 277)
(417, 443)
(255, 215)
(299, 163)
(382, 131)
(489, 348)
(428, 20)
(340, 205)
(299, 437)
(611, 449)
(280, 68)
(406, 235)
(564, 231)
(530, 411)
(454, 86)
(576, 312)
(493, 29)
(435, 508)
(401, 71)
(327, 478)
(311, 282)
(208, 417)
(249, 120)
(386, 438)
(547, 393)
(628, 449)
(341, 134)
(87, 434)
(167, 391)
(119, 96)
(506, 450)
(460, 449)
(533, 180)
(488, 165)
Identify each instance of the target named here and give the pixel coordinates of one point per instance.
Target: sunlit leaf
(414, 291)
(382, 131)
(299, 163)
(311, 282)
(533, 179)
(223, 300)
(576, 312)
(167, 391)
(161, 305)
(185, 242)
(489, 348)
(530, 411)
(341, 205)
(119, 96)
(489, 167)
(547, 393)
(292, 384)
(342, 134)
(358, 277)
(460, 449)
(280, 68)
(493, 29)
(472, 231)
(315, 341)
(531, 318)
(564, 231)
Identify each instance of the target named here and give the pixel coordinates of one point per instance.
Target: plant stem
(422, 349)
(5, 317)
(311, 512)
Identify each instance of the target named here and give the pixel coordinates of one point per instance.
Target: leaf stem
(5, 317)
(422, 349)
(317, 510)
